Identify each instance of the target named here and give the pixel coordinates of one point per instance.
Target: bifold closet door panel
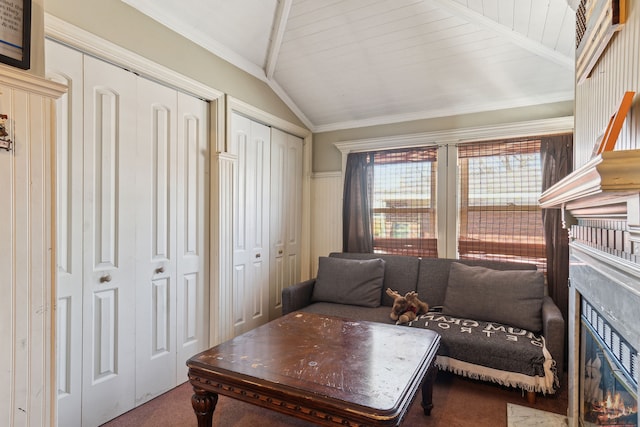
(192, 303)
(286, 216)
(155, 218)
(110, 203)
(250, 142)
(64, 65)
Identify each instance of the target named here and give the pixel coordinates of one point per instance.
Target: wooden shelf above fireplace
(608, 186)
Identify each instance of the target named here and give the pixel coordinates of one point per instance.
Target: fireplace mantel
(608, 186)
(600, 205)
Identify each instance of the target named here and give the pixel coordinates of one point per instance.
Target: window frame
(523, 250)
(447, 173)
(415, 245)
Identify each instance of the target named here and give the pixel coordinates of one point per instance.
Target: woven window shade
(404, 210)
(581, 22)
(499, 215)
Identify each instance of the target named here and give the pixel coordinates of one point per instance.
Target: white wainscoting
(326, 216)
(222, 167)
(26, 252)
(598, 97)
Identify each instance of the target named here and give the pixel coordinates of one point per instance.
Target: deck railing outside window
(499, 216)
(404, 211)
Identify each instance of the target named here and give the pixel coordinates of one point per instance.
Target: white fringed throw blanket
(491, 351)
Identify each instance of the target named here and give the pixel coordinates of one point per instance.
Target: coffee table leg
(427, 389)
(204, 403)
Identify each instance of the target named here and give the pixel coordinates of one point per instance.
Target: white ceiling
(349, 63)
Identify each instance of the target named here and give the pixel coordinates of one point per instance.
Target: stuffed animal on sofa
(406, 308)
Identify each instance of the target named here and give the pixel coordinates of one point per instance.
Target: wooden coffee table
(327, 370)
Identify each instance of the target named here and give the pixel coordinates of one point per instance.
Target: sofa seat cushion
(349, 281)
(508, 297)
(492, 351)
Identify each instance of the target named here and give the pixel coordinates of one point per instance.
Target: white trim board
(455, 136)
(234, 104)
(75, 37)
(21, 80)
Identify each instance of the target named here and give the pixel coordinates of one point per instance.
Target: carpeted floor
(458, 402)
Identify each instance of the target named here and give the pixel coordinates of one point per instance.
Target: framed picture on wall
(15, 33)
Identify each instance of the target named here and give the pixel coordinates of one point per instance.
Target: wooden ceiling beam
(516, 38)
(277, 34)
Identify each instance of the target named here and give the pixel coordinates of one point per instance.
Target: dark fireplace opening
(608, 387)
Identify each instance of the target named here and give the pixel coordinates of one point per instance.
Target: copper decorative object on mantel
(610, 136)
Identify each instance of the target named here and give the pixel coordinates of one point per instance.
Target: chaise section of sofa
(481, 348)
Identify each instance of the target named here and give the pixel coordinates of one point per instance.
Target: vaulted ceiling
(349, 63)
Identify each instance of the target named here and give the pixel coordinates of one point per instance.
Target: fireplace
(600, 206)
(608, 386)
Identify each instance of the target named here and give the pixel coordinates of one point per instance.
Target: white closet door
(250, 142)
(155, 206)
(286, 216)
(64, 65)
(192, 211)
(110, 204)
(132, 211)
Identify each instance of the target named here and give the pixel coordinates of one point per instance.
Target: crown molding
(453, 136)
(75, 37)
(447, 112)
(197, 37)
(234, 104)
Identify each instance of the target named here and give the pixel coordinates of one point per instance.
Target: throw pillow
(510, 297)
(349, 281)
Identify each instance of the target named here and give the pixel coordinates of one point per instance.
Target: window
(403, 206)
(476, 199)
(498, 214)
(499, 217)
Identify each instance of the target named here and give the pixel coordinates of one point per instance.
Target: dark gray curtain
(557, 162)
(356, 207)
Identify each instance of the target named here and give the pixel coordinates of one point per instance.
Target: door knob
(105, 279)
(257, 255)
(159, 270)
(280, 252)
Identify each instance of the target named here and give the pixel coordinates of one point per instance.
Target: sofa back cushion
(509, 297)
(400, 272)
(433, 277)
(349, 281)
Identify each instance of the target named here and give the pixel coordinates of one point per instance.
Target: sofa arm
(297, 296)
(553, 331)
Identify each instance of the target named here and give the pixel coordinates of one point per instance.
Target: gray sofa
(495, 321)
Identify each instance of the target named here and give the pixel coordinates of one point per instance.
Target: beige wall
(37, 38)
(123, 25)
(328, 158)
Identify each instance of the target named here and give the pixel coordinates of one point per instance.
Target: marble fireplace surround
(604, 265)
